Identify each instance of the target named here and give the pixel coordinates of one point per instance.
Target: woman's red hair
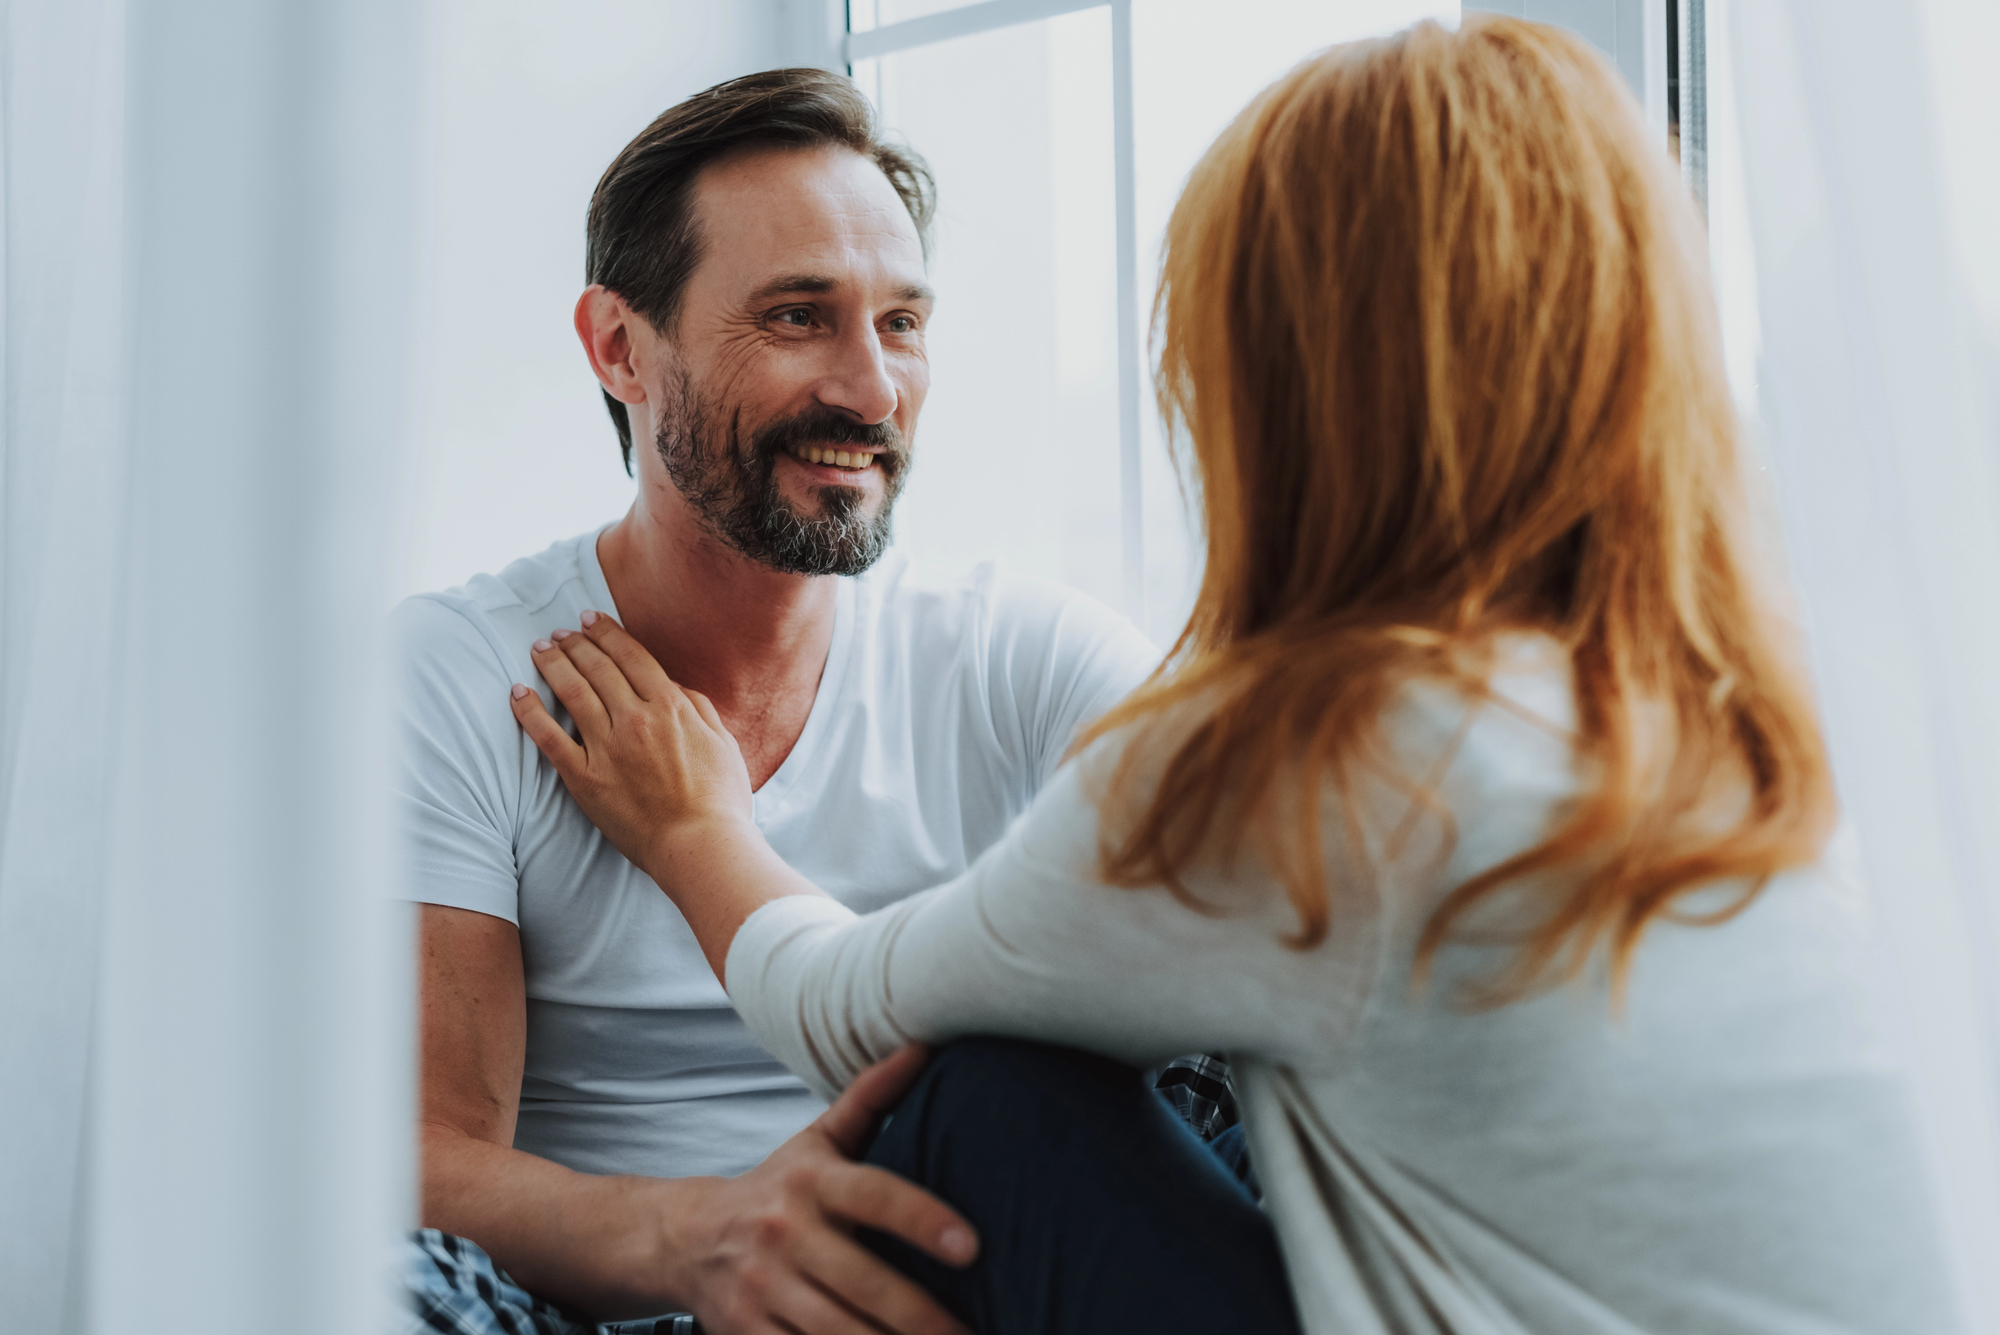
(1435, 329)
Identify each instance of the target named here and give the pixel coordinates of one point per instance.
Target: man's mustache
(827, 428)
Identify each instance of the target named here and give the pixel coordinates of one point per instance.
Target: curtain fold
(206, 1065)
(62, 562)
(1886, 483)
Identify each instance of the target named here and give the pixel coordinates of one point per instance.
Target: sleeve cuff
(452, 892)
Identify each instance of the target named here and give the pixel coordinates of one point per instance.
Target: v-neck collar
(768, 799)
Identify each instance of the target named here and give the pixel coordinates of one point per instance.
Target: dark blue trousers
(1098, 1211)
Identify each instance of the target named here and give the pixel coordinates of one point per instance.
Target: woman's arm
(655, 770)
(1028, 943)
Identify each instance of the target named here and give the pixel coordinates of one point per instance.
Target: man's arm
(537, 1219)
(744, 1254)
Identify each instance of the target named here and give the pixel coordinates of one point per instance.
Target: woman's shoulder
(1504, 716)
(1501, 718)
(1518, 674)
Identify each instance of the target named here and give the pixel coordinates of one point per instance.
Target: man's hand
(745, 1254)
(773, 1250)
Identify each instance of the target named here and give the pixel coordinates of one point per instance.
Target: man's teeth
(813, 454)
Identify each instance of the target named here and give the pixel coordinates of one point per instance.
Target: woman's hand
(652, 765)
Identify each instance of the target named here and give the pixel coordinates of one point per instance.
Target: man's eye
(799, 318)
(902, 324)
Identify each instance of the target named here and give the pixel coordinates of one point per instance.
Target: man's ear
(608, 328)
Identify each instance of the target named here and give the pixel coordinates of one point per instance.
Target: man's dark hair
(642, 241)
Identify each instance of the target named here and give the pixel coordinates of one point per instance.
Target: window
(1060, 134)
(1017, 452)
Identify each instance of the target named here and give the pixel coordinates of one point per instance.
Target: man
(596, 1120)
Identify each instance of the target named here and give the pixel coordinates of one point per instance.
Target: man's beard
(732, 486)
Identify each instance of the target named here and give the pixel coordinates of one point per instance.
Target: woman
(1478, 813)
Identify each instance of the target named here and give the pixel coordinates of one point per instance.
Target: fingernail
(558, 634)
(543, 646)
(590, 618)
(957, 1242)
(519, 690)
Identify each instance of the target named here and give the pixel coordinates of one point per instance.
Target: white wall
(528, 103)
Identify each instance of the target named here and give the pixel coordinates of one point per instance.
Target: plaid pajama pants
(1202, 1091)
(455, 1289)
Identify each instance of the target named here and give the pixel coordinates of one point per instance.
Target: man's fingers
(649, 680)
(872, 1094)
(860, 1281)
(604, 676)
(546, 733)
(808, 1307)
(577, 694)
(876, 1198)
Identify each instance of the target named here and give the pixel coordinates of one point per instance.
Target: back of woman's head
(1435, 335)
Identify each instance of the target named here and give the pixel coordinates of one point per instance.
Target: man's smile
(849, 461)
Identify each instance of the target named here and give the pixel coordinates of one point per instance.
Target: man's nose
(858, 381)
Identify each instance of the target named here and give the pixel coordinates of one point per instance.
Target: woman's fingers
(641, 669)
(706, 708)
(604, 676)
(615, 664)
(547, 734)
(571, 687)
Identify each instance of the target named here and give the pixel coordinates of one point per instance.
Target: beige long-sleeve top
(1733, 1152)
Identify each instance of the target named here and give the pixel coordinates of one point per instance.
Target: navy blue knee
(1097, 1209)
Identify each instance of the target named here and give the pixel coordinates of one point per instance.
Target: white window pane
(1016, 452)
(1192, 72)
(864, 15)
(1729, 248)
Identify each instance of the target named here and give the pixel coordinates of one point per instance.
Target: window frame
(1675, 97)
(968, 20)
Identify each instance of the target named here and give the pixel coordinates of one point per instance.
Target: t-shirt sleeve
(457, 781)
(1057, 659)
(1029, 944)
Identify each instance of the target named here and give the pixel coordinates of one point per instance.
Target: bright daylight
(1000, 667)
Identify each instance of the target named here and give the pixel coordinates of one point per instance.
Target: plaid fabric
(455, 1289)
(1201, 1091)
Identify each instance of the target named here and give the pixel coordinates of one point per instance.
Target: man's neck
(751, 639)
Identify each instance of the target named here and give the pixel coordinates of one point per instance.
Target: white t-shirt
(1731, 1151)
(944, 707)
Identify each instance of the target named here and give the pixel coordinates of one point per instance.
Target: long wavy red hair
(1435, 335)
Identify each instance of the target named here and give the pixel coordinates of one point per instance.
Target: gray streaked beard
(732, 485)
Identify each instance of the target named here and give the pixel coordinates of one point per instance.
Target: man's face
(789, 390)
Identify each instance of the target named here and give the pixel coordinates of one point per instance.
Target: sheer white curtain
(63, 555)
(1888, 471)
(204, 1031)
